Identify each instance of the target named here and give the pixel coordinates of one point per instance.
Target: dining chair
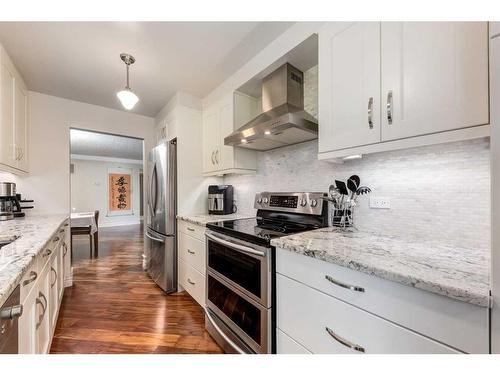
(87, 230)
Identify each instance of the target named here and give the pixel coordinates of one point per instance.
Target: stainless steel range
(240, 284)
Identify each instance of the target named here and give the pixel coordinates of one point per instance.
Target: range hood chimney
(283, 121)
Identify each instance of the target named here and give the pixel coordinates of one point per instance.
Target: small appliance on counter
(10, 202)
(220, 200)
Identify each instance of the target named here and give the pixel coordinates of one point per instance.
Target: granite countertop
(459, 273)
(15, 258)
(204, 219)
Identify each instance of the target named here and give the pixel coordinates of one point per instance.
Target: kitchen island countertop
(33, 233)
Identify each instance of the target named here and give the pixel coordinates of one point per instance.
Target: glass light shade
(127, 98)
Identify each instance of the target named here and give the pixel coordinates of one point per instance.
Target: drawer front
(286, 345)
(192, 251)
(324, 324)
(29, 279)
(193, 230)
(458, 324)
(192, 281)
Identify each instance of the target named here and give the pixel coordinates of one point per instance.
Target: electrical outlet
(380, 202)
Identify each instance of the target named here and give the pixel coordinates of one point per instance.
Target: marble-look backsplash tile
(436, 192)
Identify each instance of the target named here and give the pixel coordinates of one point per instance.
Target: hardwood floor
(113, 306)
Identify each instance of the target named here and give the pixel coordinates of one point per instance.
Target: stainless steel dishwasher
(10, 312)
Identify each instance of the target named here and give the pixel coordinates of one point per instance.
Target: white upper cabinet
(14, 121)
(349, 85)
(437, 75)
(395, 85)
(219, 120)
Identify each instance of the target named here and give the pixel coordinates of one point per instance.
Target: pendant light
(127, 96)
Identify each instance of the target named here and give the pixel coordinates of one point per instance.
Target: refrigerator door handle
(153, 197)
(162, 240)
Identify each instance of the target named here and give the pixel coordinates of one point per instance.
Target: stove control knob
(314, 202)
(303, 202)
(265, 200)
(259, 200)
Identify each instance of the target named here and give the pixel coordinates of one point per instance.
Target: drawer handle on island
(44, 308)
(190, 251)
(345, 342)
(56, 239)
(33, 276)
(190, 229)
(47, 253)
(65, 251)
(343, 285)
(55, 277)
(190, 282)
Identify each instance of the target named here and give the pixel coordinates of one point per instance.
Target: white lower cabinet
(324, 324)
(288, 345)
(192, 281)
(191, 247)
(42, 288)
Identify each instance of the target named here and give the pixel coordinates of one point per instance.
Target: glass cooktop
(258, 230)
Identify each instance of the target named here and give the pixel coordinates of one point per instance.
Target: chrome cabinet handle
(217, 156)
(56, 239)
(21, 154)
(370, 113)
(33, 276)
(191, 251)
(190, 282)
(55, 277)
(44, 308)
(190, 229)
(344, 285)
(345, 342)
(65, 251)
(389, 107)
(47, 253)
(212, 157)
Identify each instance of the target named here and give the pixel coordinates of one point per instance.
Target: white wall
(89, 190)
(181, 118)
(51, 118)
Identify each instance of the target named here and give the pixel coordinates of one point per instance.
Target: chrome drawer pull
(65, 249)
(56, 239)
(343, 285)
(47, 253)
(190, 282)
(55, 277)
(345, 342)
(190, 229)
(33, 276)
(389, 107)
(191, 252)
(370, 113)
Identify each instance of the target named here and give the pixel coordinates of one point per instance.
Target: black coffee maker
(220, 200)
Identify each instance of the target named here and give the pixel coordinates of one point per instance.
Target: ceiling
(80, 60)
(105, 145)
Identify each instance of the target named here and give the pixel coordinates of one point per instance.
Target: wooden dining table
(87, 219)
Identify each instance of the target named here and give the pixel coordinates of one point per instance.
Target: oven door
(245, 267)
(237, 318)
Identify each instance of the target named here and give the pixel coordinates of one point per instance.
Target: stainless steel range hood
(283, 121)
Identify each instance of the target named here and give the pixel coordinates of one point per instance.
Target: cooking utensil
(342, 187)
(351, 184)
(363, 190)
(356, 179)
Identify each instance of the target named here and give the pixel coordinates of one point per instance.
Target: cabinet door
(7, 81)
(27, 324)
(434, 77)
(224, 157)
(21, 126)
(54, 292)
(43, 311)
(349, 86)
(210, 139)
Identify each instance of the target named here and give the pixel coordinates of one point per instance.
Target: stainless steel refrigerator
(161, 229)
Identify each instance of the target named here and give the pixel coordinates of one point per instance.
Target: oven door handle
(224, 336)
(236, 246)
